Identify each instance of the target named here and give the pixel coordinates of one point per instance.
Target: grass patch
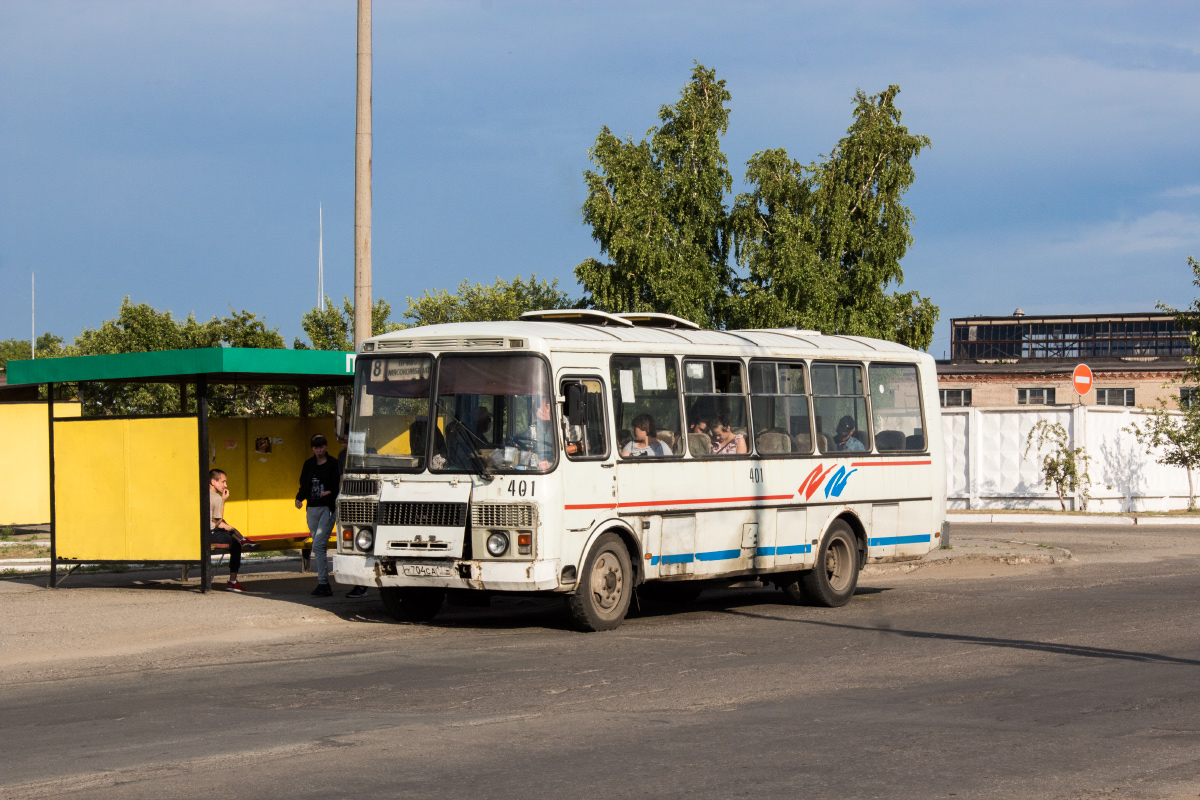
(24, 551)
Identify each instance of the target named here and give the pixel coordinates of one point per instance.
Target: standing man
(220, 531)
(320, 480)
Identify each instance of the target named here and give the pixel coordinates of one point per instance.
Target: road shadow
(1082, 651)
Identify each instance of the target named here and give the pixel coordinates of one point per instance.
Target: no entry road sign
(1082, 378)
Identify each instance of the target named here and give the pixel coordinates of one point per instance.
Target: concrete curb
(1067, 519)
(35, 565)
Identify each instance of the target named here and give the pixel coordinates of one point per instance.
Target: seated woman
(724, 441)
(645, 440)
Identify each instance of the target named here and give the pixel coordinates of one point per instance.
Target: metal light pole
(362, 181)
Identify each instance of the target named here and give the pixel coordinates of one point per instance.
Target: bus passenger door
(588, 477)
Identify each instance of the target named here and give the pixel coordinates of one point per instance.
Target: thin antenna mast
(32, 316)
(320, 258)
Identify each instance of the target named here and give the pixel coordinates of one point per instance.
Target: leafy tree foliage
(1188, 319)
(1064, 467)
(48, 346)
(818, 245)
(502, 300)
(140, 328)
(657, 210)
(333, 328)
(822, 243)
(1175, 437)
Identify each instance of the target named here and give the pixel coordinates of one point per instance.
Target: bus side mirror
(340, 423)
(576, 404)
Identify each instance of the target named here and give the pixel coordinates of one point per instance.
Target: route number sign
(1082, 379)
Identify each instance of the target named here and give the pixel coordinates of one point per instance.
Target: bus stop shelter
(134, 489)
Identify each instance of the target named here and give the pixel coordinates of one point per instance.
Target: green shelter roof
(240, 365)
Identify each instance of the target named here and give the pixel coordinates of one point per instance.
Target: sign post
(1081, 378)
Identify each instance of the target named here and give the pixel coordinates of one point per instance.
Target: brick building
(1023, 360)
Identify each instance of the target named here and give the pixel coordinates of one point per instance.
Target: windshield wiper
(463, 435)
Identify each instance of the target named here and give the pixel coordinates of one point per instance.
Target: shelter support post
(202, 424)
(53, 527)
(304, 402)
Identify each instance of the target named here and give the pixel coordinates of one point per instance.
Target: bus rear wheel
(832, 580)
(405, 604)
(601, 600)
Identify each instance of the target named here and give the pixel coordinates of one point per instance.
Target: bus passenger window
(896, 407)
(714, 394)
(587, 440)
(841, 408)
(779, 408)
(646, 405)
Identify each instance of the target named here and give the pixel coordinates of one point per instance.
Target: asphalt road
(965, 680)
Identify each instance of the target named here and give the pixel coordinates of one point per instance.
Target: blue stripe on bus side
(898, 540)
(718, 555)
(793, 549)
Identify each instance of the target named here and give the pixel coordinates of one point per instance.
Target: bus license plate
(428, 571)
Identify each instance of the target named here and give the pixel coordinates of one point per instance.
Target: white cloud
(1181, 192)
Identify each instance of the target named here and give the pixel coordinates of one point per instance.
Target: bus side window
(645, 405)
(840, 406)
(896, 407)
(779, 408)
(588, 440)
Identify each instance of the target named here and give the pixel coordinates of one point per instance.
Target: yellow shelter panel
(127, 489)
(24, 429)
(262, 458)
(162, 485)
(227, 451)
(89, 489)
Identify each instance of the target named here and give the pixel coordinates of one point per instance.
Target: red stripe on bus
(582, 506)
(708, 500)
(890, 463)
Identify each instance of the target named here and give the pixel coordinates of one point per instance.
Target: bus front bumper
(496, 576)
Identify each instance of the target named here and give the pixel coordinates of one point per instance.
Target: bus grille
(438, 515)
(360, 486)
(356, 512)
(502, 515)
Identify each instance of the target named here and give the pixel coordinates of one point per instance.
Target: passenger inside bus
(645, 440)
(724, 440)
(846, 438)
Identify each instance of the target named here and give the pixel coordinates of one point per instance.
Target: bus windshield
(388, 426)
(493, 414)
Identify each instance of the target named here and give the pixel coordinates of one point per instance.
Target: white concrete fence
(986, 466)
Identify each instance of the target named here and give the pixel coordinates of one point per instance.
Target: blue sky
(177, 152)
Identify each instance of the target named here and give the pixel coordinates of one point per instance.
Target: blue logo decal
(838, 482)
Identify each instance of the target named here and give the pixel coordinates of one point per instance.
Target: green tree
(822, 243)
(475, 302)
(1188, 319)
(657, 210)
(1064, 467)
(1175, 437)
(48, 346)
(331, 328)
(140, 328)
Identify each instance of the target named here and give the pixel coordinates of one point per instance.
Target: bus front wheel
(834, 576)
(601, 600)
(412, 605)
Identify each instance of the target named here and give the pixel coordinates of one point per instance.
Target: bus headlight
(497, 544)
(365, 540)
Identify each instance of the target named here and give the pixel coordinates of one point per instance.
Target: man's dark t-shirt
(316, 478)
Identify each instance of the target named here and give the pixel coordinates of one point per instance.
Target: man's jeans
(320, 524)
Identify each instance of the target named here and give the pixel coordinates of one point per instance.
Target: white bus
(592, 455)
